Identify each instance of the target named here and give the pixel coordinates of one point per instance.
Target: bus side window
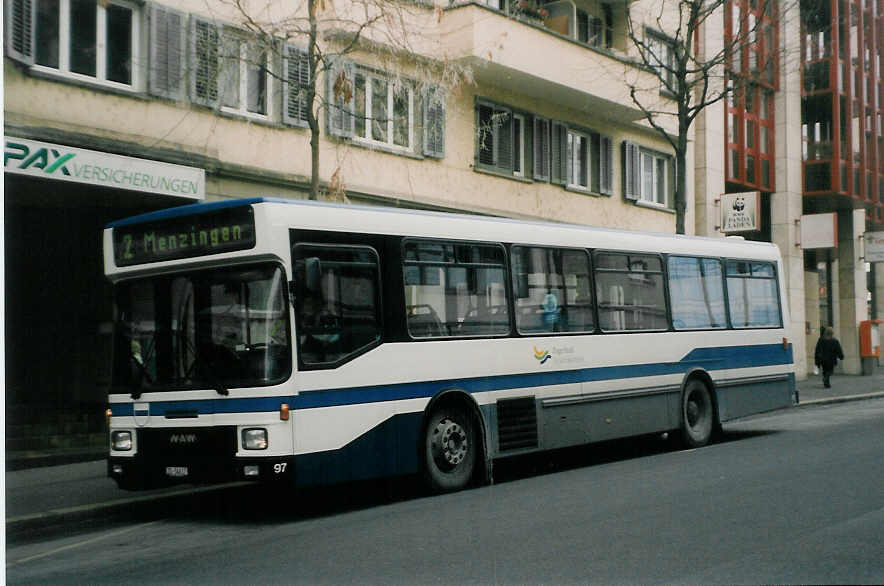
(454, 289)
(753, 298)
(552, 290)
(337, 302)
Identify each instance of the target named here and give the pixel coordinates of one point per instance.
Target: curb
(844, 399)
(15, 463)
(81, 513)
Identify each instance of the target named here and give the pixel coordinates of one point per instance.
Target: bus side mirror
(312, 275)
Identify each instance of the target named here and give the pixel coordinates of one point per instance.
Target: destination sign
(222, 230)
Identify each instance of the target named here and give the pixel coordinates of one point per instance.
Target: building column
(811, 314)
(786, 202)
(878, 284)
(710, 144)
(852, 303)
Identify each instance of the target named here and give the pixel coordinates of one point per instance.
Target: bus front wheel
(450, 449)
(697, 414)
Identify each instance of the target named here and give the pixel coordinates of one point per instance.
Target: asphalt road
(792, 497)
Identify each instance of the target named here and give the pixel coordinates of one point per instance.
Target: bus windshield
(215, 329)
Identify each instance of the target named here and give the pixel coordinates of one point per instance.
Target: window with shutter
(244, 75)
(20, 17)
(541, 148)
(631, 171)
(578, 160)
(83, 40)
(297, 82)
(434, 123)
(606, 165)
(340, 98)
(558, 153)
(646, 175)
(205, 45)
(383, 110)
(494, 138)
(166, 52)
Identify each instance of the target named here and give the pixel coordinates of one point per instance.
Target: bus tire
(697, 414)
(450, 449)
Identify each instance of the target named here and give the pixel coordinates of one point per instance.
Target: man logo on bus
(541, 355)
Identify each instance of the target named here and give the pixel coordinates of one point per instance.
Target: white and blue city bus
(264, 339)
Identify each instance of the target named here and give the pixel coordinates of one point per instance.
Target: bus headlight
(254, 438)
(121, 441)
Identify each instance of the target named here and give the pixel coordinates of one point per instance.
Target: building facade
(515, 109)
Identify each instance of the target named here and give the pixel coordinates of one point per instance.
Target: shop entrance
(58, 312)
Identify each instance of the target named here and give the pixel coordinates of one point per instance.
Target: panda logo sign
(740, 211)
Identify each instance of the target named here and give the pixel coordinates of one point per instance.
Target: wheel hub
(449, 443)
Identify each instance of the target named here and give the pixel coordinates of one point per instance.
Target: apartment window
(578, 159)
(87, 39)
(384, 110)
(593, 30)
(660, 54)
(494, 137)
(244, 77)
(653, 173)
(646, 175)
(518, 145)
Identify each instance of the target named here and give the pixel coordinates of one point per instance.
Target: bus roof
(423, 223)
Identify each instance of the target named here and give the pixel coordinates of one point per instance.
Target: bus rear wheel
(450, 449)
(697, 414)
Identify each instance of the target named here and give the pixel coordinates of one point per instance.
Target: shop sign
(874, 246)
(741, 212)
(64, 163)
(819, 231)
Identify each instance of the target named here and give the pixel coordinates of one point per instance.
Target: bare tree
(324, 32)
(695, 77)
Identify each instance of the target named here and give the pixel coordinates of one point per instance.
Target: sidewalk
(845, 387)
(55, 492)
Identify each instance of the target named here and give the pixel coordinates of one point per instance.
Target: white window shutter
(340, 98)
(631, 171)
(20, 17)
(296, 81)
(541, 148)
(204, 65)
(434, 123)
(167, 52)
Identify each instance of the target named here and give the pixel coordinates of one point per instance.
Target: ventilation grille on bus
(516, 424)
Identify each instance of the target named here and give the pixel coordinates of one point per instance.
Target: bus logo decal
(541, 355)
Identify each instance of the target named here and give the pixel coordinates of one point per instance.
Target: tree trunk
(681, 177)
(311, 102)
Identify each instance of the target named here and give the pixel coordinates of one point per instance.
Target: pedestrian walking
(827, 353)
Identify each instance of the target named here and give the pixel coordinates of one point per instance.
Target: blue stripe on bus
(707, 358)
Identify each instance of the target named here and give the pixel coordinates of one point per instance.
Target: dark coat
(828, 352)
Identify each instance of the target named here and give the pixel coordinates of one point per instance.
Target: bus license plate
(176, 471)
